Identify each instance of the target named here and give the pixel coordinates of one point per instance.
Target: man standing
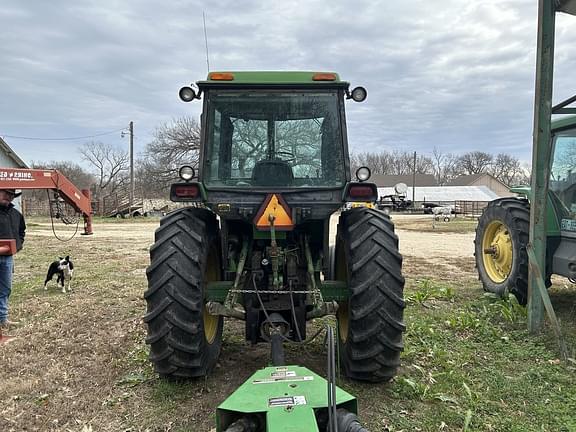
(12, 232)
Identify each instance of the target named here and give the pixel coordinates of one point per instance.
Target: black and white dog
(64, 268)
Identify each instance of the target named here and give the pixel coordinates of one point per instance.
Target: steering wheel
(287, 156)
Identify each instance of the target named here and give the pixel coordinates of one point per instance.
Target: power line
(63, 139)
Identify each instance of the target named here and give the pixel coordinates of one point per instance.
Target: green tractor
(254, 244)
(503, 229)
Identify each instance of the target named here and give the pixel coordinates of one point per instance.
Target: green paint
(334, 290)
(270, 384)
(535, 268)
(265, 235)
(217, 291)
(271, 77)
(552, 213)
(563, 123)
(541, 156)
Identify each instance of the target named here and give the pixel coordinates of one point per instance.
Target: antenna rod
(206, 40)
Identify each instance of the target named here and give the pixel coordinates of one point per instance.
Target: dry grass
(79, 362)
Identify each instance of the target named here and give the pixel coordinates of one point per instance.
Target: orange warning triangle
(276, 206)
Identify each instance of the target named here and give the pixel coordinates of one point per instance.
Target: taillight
(186, 191)
(361, 192)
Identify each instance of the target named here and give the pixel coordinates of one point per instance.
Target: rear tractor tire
(500, 247)
(370, 323)
(184, 338)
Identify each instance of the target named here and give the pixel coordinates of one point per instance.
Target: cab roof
(273, 78)
(564, 123)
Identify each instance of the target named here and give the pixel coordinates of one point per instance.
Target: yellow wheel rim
(343, 321)
(343, 307)
(211, 322)
(210, 326)
(497, 251)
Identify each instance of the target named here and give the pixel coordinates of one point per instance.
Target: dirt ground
(78, 360)
(435, 253)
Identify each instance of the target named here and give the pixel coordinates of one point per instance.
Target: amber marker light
(221, 76)
(323, 76)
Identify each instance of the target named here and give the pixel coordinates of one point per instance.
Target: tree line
(444, 166)
(177, 142)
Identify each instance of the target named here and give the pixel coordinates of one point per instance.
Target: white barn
(444, 194)
(9, 159)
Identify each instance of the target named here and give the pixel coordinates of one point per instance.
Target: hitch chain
(235, 291)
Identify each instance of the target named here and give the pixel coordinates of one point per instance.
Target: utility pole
(131, 167)
(414, 182)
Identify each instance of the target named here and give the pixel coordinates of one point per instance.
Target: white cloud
(448, 74)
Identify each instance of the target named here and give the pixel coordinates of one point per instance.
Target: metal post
(88, 216)
(540, 155)
(131, 169)
(414, 182)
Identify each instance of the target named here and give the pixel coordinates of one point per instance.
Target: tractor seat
(273, 172)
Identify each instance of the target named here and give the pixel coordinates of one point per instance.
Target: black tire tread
(178, 258)
(514, 213)
(376, 306)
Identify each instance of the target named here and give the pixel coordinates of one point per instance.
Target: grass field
(79, 362)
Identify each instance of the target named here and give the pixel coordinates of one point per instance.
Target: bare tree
(110, 166)
(175, 144)
(392, 163)
(404, 163)
(379, 163)
(524, 175)
(475, 162)
(72, 171)
(445, 166)
(507, 169)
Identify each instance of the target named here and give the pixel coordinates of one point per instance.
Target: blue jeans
(6, 270)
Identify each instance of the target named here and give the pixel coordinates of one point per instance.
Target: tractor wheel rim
(212, 274)
(343, 321)
(343, 313)
(497, 251)
(210, 325)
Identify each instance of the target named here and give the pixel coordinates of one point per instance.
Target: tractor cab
(273, 132)
(266, 138)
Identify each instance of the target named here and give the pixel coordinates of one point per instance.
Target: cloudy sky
(450, 74)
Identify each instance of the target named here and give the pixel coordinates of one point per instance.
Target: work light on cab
(363, 174)
(186, 173)
(359, 94)
(187, 94)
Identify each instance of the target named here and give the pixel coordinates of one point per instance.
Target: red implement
(16, 178)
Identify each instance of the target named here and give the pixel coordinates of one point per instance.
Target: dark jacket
(12, 225)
